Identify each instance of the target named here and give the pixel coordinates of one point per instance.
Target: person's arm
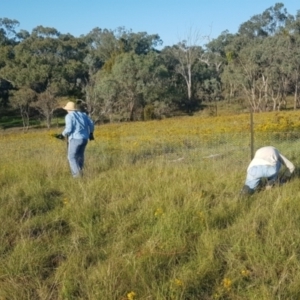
(287, 163)
(68, 126)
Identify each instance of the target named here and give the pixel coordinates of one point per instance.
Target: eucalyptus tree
(214, 54)
(46, 104)
(105, 46)
(256, 59)
(292, 37)
(295, 69)
(5, 88)
(105, 93)
(274, 71)
(47, 61)
(262, 70)
(175, 86)
(8, 33)
(215, 58)
(102, 44)
(9, 37)
(140, 42)
(186, 54)
(266, 24)
(22, 100)
(133, 82)
(247, 71)
(46, 58)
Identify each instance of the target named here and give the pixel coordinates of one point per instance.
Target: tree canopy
(119, 74)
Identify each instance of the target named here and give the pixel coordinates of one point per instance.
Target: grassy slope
(151, 219)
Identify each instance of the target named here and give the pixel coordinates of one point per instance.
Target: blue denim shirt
(78, 125)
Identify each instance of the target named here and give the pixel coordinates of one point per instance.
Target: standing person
(266, 163)
(79, 128)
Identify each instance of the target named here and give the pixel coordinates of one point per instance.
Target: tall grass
(157, 215)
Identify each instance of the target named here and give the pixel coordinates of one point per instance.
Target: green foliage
(149, 112)
(46, 59)
(130, 82)
(117, 73)
(17, 122)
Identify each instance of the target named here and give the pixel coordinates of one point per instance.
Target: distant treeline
(119, 75)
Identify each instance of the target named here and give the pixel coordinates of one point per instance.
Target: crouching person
(266, 163)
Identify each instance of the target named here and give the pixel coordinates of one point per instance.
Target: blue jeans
(256, 173)
(76, 150)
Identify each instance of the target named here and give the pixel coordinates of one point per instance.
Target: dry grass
(156, 216)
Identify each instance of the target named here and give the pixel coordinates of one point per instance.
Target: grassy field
(157, 214)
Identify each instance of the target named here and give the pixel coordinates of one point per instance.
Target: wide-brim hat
(70, 106)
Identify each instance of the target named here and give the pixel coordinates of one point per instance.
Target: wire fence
(235, 147)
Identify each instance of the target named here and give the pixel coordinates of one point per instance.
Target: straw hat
(70, 106)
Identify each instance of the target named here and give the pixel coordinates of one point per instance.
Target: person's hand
(91, 136)
(59, 136)
(286, 176)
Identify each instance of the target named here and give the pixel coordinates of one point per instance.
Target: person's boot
(246, 191)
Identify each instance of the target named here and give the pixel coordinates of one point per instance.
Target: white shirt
(270, 156)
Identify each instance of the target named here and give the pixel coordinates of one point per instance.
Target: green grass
(143, 222)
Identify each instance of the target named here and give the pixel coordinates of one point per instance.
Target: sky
(172, 20)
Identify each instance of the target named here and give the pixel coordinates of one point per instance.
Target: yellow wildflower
(245, 273)
(158, 212)
(66, 201)
(227, 283)
(201, 216)
(131, 295)
(178, 282)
